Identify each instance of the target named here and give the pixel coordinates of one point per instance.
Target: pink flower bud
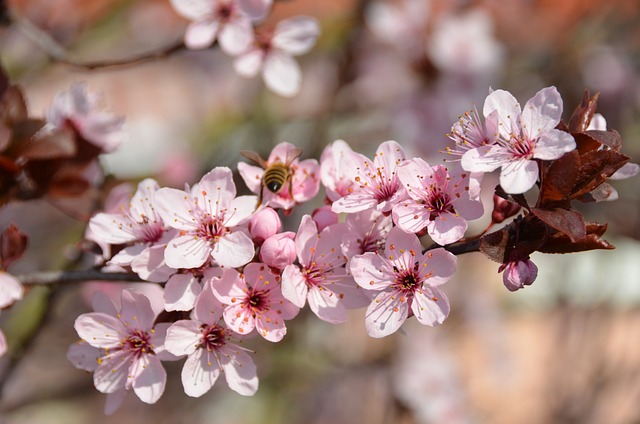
(518, 274)
(264, 224)
(324, 216)
(279, 250)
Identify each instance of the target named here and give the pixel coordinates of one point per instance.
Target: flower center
(213, 337)
(212, 229)
(138, 344)
(407, 280)
(258, 301)
(521, 148)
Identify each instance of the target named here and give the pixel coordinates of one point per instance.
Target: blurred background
(565, 350)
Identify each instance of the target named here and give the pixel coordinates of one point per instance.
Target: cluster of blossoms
(229, 271)
(230, 23)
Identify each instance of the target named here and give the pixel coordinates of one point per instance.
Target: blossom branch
(58, 53)
(460, 247)
(66, 277)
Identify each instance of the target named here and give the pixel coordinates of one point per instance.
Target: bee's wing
(254, 157)
(293, 155)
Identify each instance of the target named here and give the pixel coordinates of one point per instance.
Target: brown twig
(68, 277)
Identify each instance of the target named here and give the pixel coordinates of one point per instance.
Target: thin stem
(460, 247)
(68, 277)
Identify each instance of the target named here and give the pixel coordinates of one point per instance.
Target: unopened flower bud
(324, 216)
(518, 274)
(264, 224)
(503, 209)
(279, 250)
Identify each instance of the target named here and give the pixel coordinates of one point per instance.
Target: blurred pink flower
(211, 349)
(211, 220)
(375, 184)
(321, 278)
(438, 200)
(230, 22)
(133, 347)
(524, 135)
(405, 279)
(81, 110)
(254, 299)
(11, 289)
(273, 53)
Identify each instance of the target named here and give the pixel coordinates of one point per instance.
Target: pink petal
(176, 208)
(192, 9)
(141, 203)
(180, 292)
(399, 241)
(236, 36)
(83, 356)
(201, 34)
(10, 289)
(385, 315)
(157, 338)
(188, 251)
(248, 65)
(410, 217)
(215, 191)
(150, 265)
(296, 35)
(240, 210)
(229, 286)
(270, 325)
(428, 311)
(306, 239)
(481, 159)
(553, 144)
(508, 110)
(355, 202)
(447, 228)
(628, 170)
(114, 401)
(101, 302)
(542, 112)
(233, 250)
(414, 175)
(389, 155)
(326, 305)
(439, 266)
(100, 330)
(208, 308)
(371, 271)
(239, 319)
(112, 228)
(306, 181)
(282, 74)
(239, 371)
(199, 373)
(136, 311)
(183, 337)
(257, 10)
(124, 257)
(112, 373)
(149, 378)
(519, 176)
(294, 286)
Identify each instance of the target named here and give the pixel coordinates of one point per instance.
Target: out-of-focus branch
(68, 277)
(59, 54)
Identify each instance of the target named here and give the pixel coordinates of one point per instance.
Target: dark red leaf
(68, 185)
(495, 245)
(53, 144)
(582, 115)
(559, 179)
(559, 243)
(585, 143)
(596, 167)
(611, 138)
(568, 222)
(13, 107)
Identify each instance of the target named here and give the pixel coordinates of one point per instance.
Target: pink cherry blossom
(523, 137)
(405, 279)
(141, 226)
(324, 216)
(333, 171)
(321, 278)
(366, 231)
(227, 21)
(272, 53)
(438, 200)
(211, 220)
(303, 186)
(470, 132)
(132, 346)
(279, 250)
(211, 349)
(375, 184)
(518, 273)
(81, 111)
(254, 300)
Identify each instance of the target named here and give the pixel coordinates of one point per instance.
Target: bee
(277, 175)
